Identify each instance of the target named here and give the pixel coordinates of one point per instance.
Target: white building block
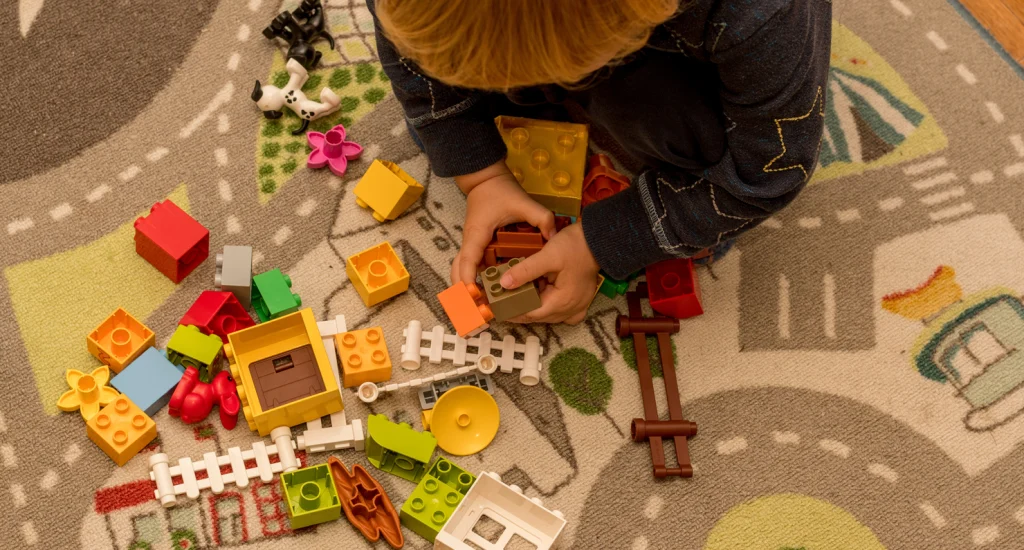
(506, 505)
(341, 435)
(461, 351)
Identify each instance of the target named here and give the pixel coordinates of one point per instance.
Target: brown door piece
(651, 428)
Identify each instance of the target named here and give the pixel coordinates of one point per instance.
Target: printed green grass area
(581, 380)
(280, 155)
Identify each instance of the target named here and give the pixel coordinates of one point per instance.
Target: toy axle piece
(682, 471)
(626, 325)
(642, 429)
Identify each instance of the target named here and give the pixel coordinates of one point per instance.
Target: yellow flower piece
(88, 393)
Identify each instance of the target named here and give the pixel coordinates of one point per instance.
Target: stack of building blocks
(171, 240)
(673, 288)
(508, 303)
(121, 429)
(548, 159)
(436, 496)
(88, 393)
(310, 496)
(466, 308)
(119, 339)
(217, 313)
(364, 357)
(149, 381)
(189, 347)
(366, 505)
(272, 295)
(377, 274)
(234, 273)
(282, 372)
(602, 181)
(397, 448)
(386, 190)
(518, 240)
(519, 516)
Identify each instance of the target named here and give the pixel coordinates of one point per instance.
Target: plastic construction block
(435, 498)
(673, 288)
(88, 393)
(189, 347)
(387, 190)
(149, 381)
(518, 516)
(397, 448)
(602, 181)
(217, 313)
(311, 496)
(174, 242)
(366, 505)
(364, 356)
(466, 308)
(193, 399)
(234, 273)
(506, 303)
(377, 274)
(121, 429)
(612, 288)
(332, 150)
(272, 295)
(282, 372)
(548, 159)
(119, 339)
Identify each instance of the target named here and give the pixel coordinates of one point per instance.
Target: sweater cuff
(619, 234)
(462, 144)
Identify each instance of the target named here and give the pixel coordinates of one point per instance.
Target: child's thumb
(522, 271)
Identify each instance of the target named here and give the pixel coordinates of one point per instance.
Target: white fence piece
(461, 351)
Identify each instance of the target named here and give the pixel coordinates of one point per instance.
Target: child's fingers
(532, 267)
(541, 218)
(473, 244)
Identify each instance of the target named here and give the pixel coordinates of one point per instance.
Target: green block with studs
(435, 498)
(310, 496)
(189, 347)
(272, 295)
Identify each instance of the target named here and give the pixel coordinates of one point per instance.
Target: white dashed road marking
(731, 446)
(20, 224)
(97, 194)
(243, 33)
(846, 216)
(933, 515)
(883, 471)
(901, 7)
(890, 204)
(72, 454)
(224, 188)
(222, 97)
(984, 176)
(809, 223)
(60, 211)
(829, 283)
(306, 208)
(937, 40)
(49, 481)
(1018, 144)
(925, 166)
(993, 109)
(936, 198)
(944, 177)
(966, 74)
(784, 307)
(952, 211)
(282, 235)
(835, 447)
(984, 535)
(221, 155)
(223, 123)
(257, 257)
(786, 438)
(18, 495)
(233, 61)
(254, 5)
(772, 223)
(233, 226)
(28, 533)
(127, 174)
(157, 154)
(653, 508)
(1014, 169)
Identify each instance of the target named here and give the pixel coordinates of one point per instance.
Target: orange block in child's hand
(465, 306)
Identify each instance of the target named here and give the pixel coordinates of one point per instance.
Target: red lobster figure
(193, 400)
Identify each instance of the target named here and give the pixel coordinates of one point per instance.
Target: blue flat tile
(149, 380)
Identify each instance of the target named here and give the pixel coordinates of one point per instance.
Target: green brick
(397, 448)
(432, 502)
(272, 295)
(189, 347)
(311, 496)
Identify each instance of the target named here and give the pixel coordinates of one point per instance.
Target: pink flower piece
(332, 150)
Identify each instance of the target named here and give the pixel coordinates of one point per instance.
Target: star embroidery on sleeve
(797, 125)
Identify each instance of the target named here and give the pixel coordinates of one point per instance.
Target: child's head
(504, 44)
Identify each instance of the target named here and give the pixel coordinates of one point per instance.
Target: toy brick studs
(234, 273)
(171, 240)
(331, 150)
(386, 190)
(149, 381)
(271, 99)
(377, 274)
(507, 303)
(272, 296)
(364, 356)
(548, 159)
(673, 288)
(121, 429)
(435, 498)
(119, 339)
(602, 180)
(217, 313)
(311, 496)
(301, 35)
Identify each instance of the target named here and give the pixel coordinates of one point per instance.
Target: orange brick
(465, 306)
(119, 339)
(121, 429)
(364, 356)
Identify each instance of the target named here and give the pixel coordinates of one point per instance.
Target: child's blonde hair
(504, 44)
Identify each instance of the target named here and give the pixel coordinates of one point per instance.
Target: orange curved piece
(366, 505)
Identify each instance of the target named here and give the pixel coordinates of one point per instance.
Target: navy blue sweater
(723, 107)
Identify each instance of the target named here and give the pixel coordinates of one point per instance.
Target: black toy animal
(300, 28)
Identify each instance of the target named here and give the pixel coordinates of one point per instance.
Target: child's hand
(490, 204)
(571, 275)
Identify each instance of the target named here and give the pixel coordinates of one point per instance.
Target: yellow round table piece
(465, 420)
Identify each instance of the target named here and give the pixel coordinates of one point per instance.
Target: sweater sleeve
(454, 125)
(772, 61)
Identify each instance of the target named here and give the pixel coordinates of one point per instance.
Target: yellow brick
(377, 274)
(548, 158)
(121, 429)
(119, 339)
(364, 356)
(265, 341)
(387, 190)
